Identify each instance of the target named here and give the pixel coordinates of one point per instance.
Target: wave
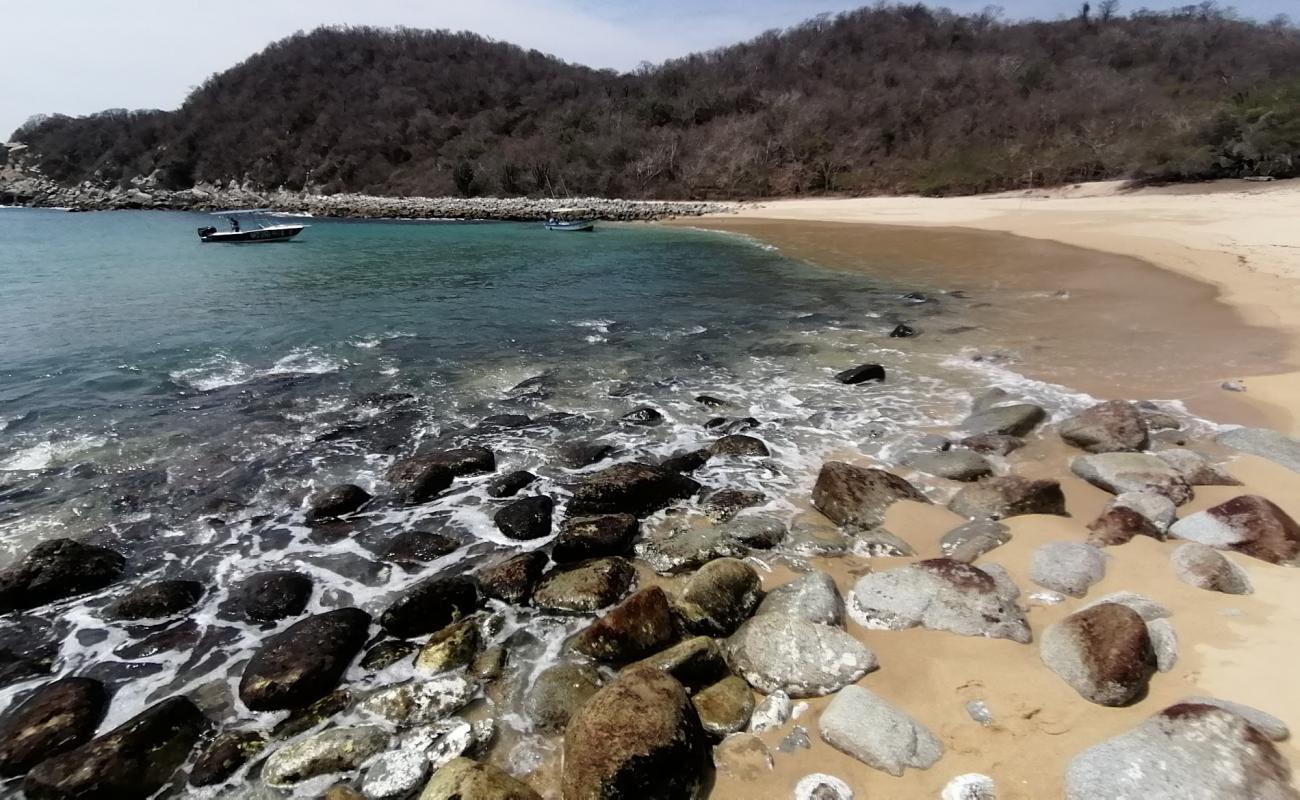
(49, 452)
(222, 370)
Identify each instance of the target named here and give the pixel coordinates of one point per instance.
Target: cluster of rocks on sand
(658, 685)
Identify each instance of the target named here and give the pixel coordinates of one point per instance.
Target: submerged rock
(1111, 427)
(133, 760)
(333, 750)
(724, 504)
(581, 538)
(513, 579)
(780, 652)
(558, 692)
(687, 548)
(462, 461)
(1189, 751)
(1248, 524)
(813, 597)
(415, 547)
(940, 594)
(466, 779)
(586, 587)
(420, 702)
(638, 737)
(1206, 568)
(430, 605)
(450, 648)
(419, 479)
(645, 415)
(639, 626)
(1103, 651)
(58, 717)
(158, 599)
(738, 444)
(527, 518)
(576, 455)
(304, 662)
(861, 374)
(275, 595)
(993, 444)
(1008, 496)
(1067, 567)
(57, 569)
(866, 726)
(859, 496)
(336, 501)
(637, 489)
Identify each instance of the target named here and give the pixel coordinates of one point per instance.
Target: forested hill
(886, 99)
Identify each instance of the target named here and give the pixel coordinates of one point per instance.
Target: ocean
(178, 402)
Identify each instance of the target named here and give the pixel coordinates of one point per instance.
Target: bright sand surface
(1225, 305)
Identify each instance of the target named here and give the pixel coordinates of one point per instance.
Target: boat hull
(275, 233)
(580, 225)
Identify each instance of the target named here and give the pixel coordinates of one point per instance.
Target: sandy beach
(1220, 304)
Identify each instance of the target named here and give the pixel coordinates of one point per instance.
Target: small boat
(239, 233)
(571, 219)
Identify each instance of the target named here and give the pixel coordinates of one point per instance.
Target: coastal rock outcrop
(526, 518)
(304, 662)
(585, 587)
(864, 725)
(943, 595)
(1103, 651)
(1008, 496)
(581, 538)
(513, 580)
(158, 599)
(1111, 427)
(1248, 524)
(850, 495)
(336, 501)
(273, 596)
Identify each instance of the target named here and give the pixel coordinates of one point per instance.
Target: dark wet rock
(510, 484)
(537, 387)
(1008, 496)
(1276, 447)
(724, 707)
(738, 444)
(582, 538)
(993, 444)
(1196, 469)
(902, 331)
(513, 579)
(688, 461)
(1248, 524)
(557, 692)
(943, 595)
(635, 628)
(969, 541)
(462, 461)
(859, 496)
(419, 546)
(637, 489)
(332, 750)
(695, 662)
(1119, 473)
(466, 779)
(781, 652)
(489, 664)
(1188, 750)
(304, 719)
(686, 548)
(638, 737)
(861, 374)
(1103, 651)
(727, 425)
(336, 501)
(504, 422)
(453, 647)
(955, 465)
(720, 596)
(1118, 525)
(304, 662)
(527, 518)
(1067, 567)
(1112, 427)
(710, 401)
(387, 653)
(224, 755)
(812, 596)
(1013, 420)
(133, 760)
(419, 479)
(758, 531)
(59, 716)
(19, 663)
(576, 455)
(158, 599)
(864, 725)
(586, 587)
(275, 595)
(430, 605)
(57, 569)
(1206, 568)
(645, 415)
(724, 504)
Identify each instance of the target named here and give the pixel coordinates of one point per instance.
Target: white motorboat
(571, 219)
(248, 227)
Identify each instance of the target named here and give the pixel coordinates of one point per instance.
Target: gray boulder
(1189, 751)
(1206, 568)
(1011, 420)
(1067, 567)
(878, 542)
(1276, 447)
(812, 596)
(332, 750)
(1262, 721)
(724, 504)
(687, 547)
(993, 444)
(586, 587)
(757, 531)
(420, 702)
(940, 594)
(970, 786)
(1119, 473)
(956, 465)
(1104, 652)
(1164, 642)
(1195, 468)
(862, 724)
(859, 496)
(780, 652)
(1249, 524)
(771, 713)
(973, 539)
(1111, 427)
(464, 778)
(1159, 510)
(557, 692)
(1008, 496)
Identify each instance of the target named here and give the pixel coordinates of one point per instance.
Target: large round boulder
(636, 489)
(61, 715)
(55, 570)
(158, 599)
(859, 496)
(1248, 524)
(781, 652)
(466, 779)
(720, 596)
(941, 594)
(639, 626)
(430, 605)
(274, 595)
(1008, 496)
(1103, 651)
(1111, 427)
(304, 662)
(526, 518)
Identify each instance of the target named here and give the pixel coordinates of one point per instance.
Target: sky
(81, 56)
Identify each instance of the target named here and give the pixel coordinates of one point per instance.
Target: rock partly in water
(1009, 420)
(861, 374)
(133, 760)
(305, 661)
(526, 518)
(754, 530)
(738, 444)
(466, 779)
(639, 626)
(1189, 751)
(725, 707)
(586, 587)
(418, 479)
(812, 596)
(461, 461)
(453, 647)
(1008, 496)
(557, 692)
(940, 594)
(333, 750)
(1206, 568)
(275, 595)
(1103, 651)
(636, 489)
(513, 579)
(780, 652)
(581, 538)
(877, 542)
(576, 455)
(1067, 567)
(1248, 524)
(57, 569)
(417, 547)
(866, 726)
(59, 716)
(720, 596)
(224, 755)
(336, 501)
(956, 465)
(1119, 473)
(430, 605)
(420, 702)
(158, 599)
(772, 712)
(510, 484)
(993, 444)
(687, 548)
(859, 496)
(724, 504)
(1112, 427)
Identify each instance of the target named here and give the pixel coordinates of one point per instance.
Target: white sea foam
(49, 453)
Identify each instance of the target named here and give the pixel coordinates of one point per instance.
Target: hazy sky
(79, 56)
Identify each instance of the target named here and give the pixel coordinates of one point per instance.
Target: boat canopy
(572, 213)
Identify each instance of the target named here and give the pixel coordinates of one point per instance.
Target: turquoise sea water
(178, 401)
